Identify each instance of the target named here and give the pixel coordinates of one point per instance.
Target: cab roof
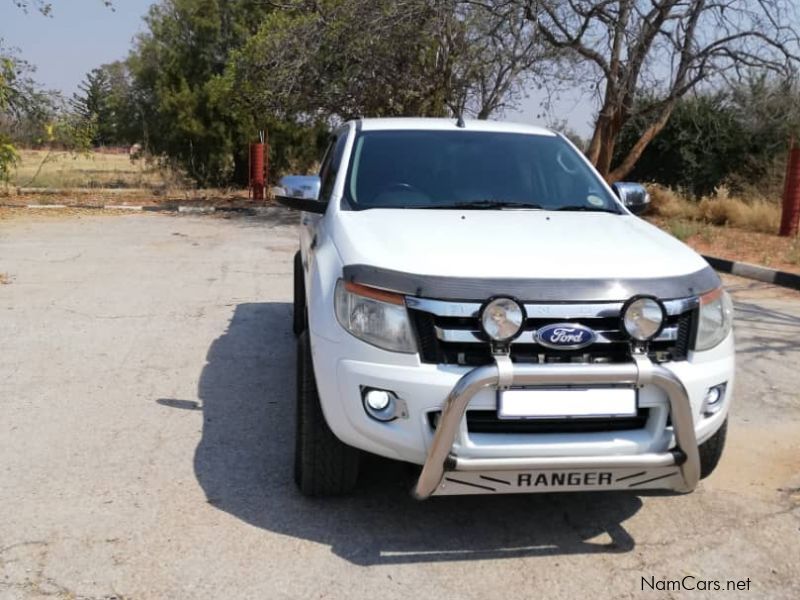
(417, 124)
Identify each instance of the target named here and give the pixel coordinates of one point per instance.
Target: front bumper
(445, 472)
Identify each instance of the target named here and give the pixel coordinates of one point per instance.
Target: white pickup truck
(472, 297)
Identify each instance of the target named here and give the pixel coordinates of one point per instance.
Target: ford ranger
(473, 298)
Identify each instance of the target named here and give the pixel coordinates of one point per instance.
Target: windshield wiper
(483, 205)
(584, 208)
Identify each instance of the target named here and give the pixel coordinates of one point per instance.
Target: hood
(511, 244)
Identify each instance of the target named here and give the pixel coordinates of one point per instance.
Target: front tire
(299, 305)
(323, 464)
(711, 451)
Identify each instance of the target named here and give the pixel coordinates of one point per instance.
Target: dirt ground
(782, 253)
(146, 414)
(755, 248)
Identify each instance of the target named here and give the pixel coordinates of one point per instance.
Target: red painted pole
(257, 179)
(266, 156)
(790, 217)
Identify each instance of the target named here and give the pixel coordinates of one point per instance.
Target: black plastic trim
(304, 204)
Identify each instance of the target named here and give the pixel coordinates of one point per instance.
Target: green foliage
(9, 157)
(411, 58)
(92, 105)
(209, 74)
(9, 94)
(736, 137)
(106, 100)
(34, 117)
(72, 132)
(46, 8)
(695, 151)
(174, 69)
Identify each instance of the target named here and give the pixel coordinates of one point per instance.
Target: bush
(666, 202)
(719, 208)
(753, 214)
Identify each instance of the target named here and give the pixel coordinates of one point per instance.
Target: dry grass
(726, 226)
(720, 208)
(670, 204)
(683, 229)
(63, 170)
(793, 254)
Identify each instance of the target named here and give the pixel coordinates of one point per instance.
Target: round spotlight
(643, 317)
(502, 319)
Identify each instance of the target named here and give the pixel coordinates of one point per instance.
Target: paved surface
(146, 384)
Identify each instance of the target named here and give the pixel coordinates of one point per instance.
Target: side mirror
(633, 195)
(300, 192)
(300, 186)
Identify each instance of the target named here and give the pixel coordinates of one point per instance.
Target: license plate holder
(567, 403)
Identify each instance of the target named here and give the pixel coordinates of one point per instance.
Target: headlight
(377, 317)
(643, 317)
(502, 319)
(716, 319)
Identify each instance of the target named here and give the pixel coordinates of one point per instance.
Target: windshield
(471, 169)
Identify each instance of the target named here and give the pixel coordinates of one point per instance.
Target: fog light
(383, 405)
(378, 399)
(712, 403)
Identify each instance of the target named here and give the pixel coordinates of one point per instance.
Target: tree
(665, 47)
(35, 117)
(105, 98)
(304, 63)
(209, 74)
(697, 149)
(45, 7)
(494, 52)
(16, 94)
(412, 57)
(173, 68)
(736, 137)
(92, 104)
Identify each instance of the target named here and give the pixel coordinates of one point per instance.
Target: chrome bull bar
(504, 374)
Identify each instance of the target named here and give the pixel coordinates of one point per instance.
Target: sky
(83, 34)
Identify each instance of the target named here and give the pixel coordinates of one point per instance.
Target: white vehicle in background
(473, 298)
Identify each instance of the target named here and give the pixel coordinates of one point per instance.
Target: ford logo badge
(565, 336)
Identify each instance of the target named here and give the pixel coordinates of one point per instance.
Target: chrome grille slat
(443, 308)
(470, 336)
(449, 332)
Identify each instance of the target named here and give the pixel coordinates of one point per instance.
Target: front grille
(449, 333)
(487, 421)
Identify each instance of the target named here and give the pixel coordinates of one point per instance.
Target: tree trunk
(641, 144)
(599, 144)
(608, 142)
(604, 139)
(594, 146)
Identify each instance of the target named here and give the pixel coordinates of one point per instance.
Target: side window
(330, 166)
